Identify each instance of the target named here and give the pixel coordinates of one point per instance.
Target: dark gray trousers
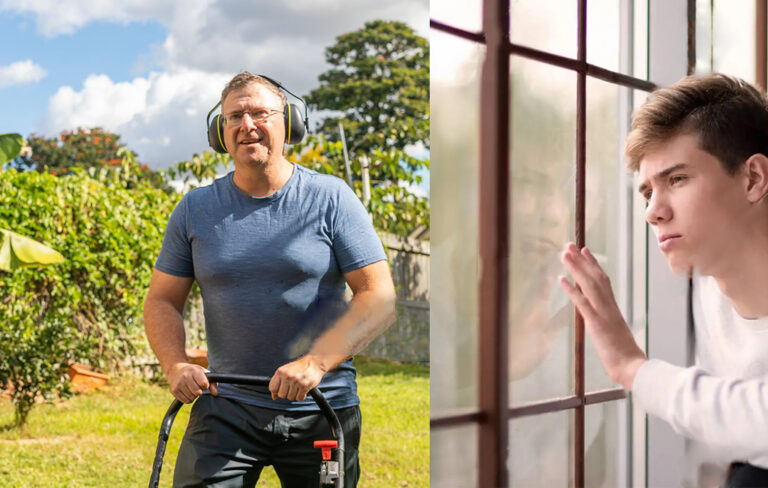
(743, 475)
(227, 444)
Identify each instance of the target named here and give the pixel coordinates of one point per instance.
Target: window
(518, 396)
(530, 108)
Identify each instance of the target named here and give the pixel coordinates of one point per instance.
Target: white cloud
(417, 190)
(285, 39)
(55, 17)
(161, 117)
(21, 72)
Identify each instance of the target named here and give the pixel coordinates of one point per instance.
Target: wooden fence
(408, 338)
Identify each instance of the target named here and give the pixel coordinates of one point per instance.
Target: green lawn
(108, 438)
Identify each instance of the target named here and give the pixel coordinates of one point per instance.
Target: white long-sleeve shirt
(723, 400)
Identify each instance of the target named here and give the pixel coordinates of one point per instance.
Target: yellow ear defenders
(295, 124)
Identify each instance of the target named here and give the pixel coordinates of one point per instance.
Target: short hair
(729, 116)
(244, 79)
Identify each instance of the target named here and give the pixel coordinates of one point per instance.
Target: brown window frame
(494, 413)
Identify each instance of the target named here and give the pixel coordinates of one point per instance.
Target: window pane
(603, 40)
(704, 36)
(547, 25)
(454, 231)
(606, 442)
(617, 34)
(734, 38)
(453, 457)
(608, 198)
(540, 451)
(640, 35)
(705, 466)
(464, 14)
(639, 295)
(542, 159)
(614, 220)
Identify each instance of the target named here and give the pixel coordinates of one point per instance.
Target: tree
(393, 208)
(80, 147)
(379, 90)
(99, 152)
(380, 84)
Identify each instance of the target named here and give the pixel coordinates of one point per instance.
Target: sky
(150, 70)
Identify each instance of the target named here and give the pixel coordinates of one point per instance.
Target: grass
(108, 438)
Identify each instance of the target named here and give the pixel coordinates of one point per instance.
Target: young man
(700, 148)
(271, 246)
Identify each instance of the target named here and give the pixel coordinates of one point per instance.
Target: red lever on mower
(326, 447)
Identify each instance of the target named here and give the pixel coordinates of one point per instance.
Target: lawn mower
(331, 467)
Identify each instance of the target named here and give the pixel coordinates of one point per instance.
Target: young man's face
(697, 211)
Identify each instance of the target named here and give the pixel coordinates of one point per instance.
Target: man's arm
(729, 413)
(617, 349)
(164, 326)
(370, 312)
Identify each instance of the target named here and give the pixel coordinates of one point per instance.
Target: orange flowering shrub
(80, 147)
(92, 149)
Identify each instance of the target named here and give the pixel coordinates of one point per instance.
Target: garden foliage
(393, 208)
(379, 84)
(79, 147)
(378, 89)
(87, 308)
(92, 201)
(93, 149)
(10, 146)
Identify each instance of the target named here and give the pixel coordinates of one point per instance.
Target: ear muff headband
(288, 133)
(295, 124)
(215, 139)
(218, 129)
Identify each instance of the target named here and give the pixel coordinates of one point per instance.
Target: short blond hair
(729, 116)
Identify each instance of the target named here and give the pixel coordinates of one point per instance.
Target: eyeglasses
(257, 116)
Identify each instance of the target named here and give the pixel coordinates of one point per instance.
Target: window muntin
(572, 406)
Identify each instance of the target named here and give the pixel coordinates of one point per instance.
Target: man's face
(249, 141)
(697, 211)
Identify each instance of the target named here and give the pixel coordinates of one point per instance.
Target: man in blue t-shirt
(271, 247)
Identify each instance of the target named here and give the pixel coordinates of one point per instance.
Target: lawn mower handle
(241, 379)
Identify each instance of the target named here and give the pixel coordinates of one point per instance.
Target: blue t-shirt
(270, 271)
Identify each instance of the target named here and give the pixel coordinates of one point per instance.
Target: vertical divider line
(626, 226)
(691, 8)
(494, 248)
(581, 128)
(761, 39)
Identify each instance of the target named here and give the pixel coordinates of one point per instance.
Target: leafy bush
(89, 307)
(201, 167)
(80, 147)
(393, 208)
(93, 149)
(10, 146)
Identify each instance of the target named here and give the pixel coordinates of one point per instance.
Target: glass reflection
(453, 457)
(542, 189)
(540, 451)
(454, 231)
(546, 25)
(605, 427)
